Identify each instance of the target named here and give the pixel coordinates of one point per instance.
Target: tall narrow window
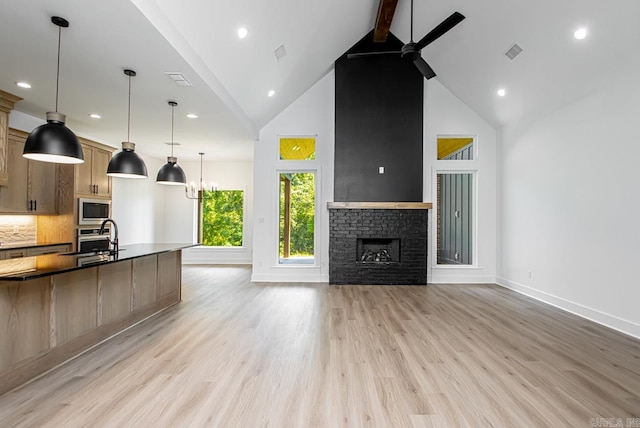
(222, 218)
(455, 208)
(297, 206)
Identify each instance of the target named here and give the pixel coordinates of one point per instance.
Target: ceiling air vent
(513, 51)
(178, 77)
(280, 53)
(173, 144)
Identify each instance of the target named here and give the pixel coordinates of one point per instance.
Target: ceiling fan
(411, 50)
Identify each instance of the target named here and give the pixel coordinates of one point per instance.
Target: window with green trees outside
(297, 217)
(222, 218)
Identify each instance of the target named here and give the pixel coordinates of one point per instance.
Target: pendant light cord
(172, 110)
(58, 68)
(129, 114)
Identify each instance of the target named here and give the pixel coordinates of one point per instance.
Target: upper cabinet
(7, 101)
(32, 185)
(91, 177)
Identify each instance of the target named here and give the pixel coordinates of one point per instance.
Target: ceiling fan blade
(365, 54)
(424, 68)
(454, 19)
(386, 9)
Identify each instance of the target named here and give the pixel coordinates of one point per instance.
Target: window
(455, 147)
(297, 207)
(297, 148)
(454, 218)
(222, 213)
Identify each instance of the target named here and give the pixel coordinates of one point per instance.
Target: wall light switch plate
(380, 170)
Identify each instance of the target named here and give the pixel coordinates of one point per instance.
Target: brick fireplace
(378, 243)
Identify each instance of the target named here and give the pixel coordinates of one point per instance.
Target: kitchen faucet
(115, 238)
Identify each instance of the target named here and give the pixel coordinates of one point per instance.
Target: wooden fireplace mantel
(381, 205)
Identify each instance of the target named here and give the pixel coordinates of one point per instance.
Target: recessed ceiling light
(24, 85)
(271, 93)
(192, 116)
(580, 33)
(242, 32)
(95, 116)
(502, 92)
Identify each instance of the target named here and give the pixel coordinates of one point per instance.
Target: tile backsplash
(17, 229)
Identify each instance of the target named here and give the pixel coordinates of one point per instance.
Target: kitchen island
(54, 307)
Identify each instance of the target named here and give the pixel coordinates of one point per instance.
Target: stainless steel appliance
(93, 211)
(90, 239)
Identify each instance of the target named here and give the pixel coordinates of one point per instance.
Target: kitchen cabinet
(7, 102)
(64, 307)
(48, 249)
(15, 253)
(32, 185)
(91, 177)
(40, 250)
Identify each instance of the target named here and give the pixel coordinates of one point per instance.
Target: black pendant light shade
(127, 163)
(53, 141)
(171, 173)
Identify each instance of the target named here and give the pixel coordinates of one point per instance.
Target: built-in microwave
(93, 211)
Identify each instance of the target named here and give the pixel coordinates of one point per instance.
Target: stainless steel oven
(93, 211)
(90, 239)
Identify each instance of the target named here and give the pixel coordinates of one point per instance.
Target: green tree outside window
(222, 218)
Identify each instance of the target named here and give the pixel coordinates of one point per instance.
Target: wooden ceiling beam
(386, 9)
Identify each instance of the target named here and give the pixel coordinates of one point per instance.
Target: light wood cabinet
(32, 185)
(40, 250)
(15, 253)
(57, 317)
(48, 249)
(7, 102)
(91, 177)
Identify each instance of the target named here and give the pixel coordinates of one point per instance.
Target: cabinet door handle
(97, 188)
(30, 204)
(35, 205)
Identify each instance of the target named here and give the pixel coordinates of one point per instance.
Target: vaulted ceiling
(231, 76)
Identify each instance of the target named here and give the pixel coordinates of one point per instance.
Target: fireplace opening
(378, 250)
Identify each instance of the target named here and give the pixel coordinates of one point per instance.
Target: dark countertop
(30, 245)
(52, 264)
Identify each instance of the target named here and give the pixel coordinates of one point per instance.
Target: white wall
(570, 204)
(311, 114)
(137, 206)
(445, 114)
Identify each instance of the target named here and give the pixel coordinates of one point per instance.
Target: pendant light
(127, 163)
(53, 141)
(171, 173)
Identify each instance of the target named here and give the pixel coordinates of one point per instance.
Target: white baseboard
(611, 321)
(459, 279)
(266, 277)
(213, 261)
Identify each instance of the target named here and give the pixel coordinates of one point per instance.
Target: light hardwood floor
(237, 354)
